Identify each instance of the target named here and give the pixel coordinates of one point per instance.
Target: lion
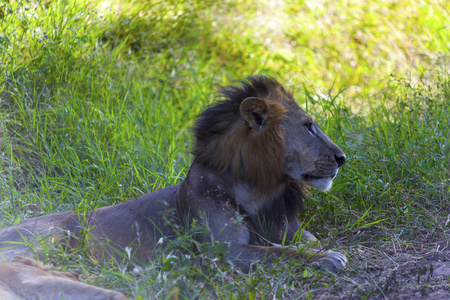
(25, 278)
(255, 153)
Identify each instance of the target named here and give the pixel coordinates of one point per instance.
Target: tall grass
(97, 98)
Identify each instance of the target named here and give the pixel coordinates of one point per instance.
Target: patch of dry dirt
(385, 268)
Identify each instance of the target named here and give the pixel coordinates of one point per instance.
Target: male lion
(255, 152)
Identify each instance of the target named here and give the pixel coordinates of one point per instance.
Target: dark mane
(224, 142)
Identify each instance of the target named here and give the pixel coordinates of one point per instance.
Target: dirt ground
(424, 276)
(400, 270)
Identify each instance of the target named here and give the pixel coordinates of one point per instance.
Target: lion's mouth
(309, 177)
(322, 183)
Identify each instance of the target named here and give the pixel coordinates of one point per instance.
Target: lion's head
(260, 135)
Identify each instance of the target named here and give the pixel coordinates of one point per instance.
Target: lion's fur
(224, 141)
(24, 278)
(255, 152)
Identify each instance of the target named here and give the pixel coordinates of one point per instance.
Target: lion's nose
(340, 159)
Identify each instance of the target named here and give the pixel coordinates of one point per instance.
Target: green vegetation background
(97, 98)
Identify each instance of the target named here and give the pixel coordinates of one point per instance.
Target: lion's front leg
(244, 255)
(243, 252)
(297, 233)
(330, 260)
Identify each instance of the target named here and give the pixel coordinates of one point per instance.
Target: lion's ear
(254, 111)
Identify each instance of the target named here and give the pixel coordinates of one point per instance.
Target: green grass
(97, 100)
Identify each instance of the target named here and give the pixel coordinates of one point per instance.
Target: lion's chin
(321, 183)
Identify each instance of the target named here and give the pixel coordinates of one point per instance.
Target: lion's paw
(330, 260)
